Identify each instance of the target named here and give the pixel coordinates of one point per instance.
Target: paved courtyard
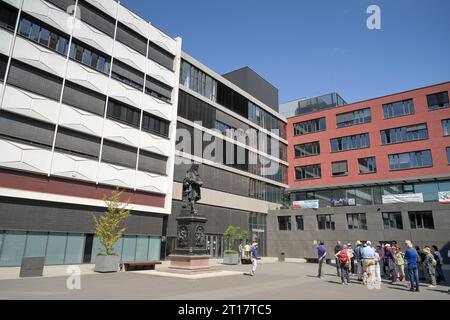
(273, 281)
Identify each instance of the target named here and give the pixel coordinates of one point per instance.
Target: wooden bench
(140, 265)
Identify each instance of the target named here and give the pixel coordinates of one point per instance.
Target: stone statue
(191, 188)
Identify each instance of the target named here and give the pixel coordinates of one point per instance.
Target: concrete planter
(106, 264)
(231, 258)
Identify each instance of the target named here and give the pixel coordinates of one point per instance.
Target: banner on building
(402, 198)
(444, 196)
(306, 204)
(343, 202)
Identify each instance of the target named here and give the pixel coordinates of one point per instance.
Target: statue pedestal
(190, 264)
(190, 254)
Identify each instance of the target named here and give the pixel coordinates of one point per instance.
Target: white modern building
(87, 104)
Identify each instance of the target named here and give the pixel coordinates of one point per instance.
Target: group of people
(249, 252)
(369, 263)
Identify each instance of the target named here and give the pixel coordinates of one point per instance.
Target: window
(3, 64)
(128, 75)
(353, 118)
(448, 155)
(26, 130)
(325, 222)
(421, 219)
(309, 126)
(446, 127)
(392, 220)
(339, 168)
(357, 221)
(197, 80)
(284, 223)
(131, 39)
(358, 141)
(96, 18)
(307, 149)
(152, 162)
(397, 109)
(158, 89)
(34, 80)
(119, 154)
(161, 56)
(89, 57)
(300, 224)
(404, 134)
(84, 98)
(37, 33)
(428, 190)
(62, 4)
(438, 100)
(78, 143)
(367, 165)
(233, 101)
(308, 172)
(8, 16)
(193, 109)
(120, 112)
(408, 160)
(225, 129)
(153, 124)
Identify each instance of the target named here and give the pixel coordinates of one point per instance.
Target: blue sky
(308, 48)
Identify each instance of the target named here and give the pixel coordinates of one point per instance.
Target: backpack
(343, 256)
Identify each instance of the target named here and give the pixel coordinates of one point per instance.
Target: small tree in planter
(108, 230)
(231, 255)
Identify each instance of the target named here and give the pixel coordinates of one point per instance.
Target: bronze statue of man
(191, 188)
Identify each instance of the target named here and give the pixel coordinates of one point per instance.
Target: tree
(108, 226)
(231, 235)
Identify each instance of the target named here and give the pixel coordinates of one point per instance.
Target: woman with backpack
(430, 266)
(440, 261)
(343, 257)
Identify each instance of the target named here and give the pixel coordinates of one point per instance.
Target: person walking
(352, 258)
(440, 261)
(254, 257)
(411, 257)
(321, 254)
(368, 259)
(430, 266)
(247, 250)
(343, 259)
(358, 259)
(377, 269)
(400, 264)
(337, 248)
(380, 252)
(420, 262)
(241, 251)
(390, 260)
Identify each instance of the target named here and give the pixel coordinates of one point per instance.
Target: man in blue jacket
(254, 256)
(321, 254)
(413, 272)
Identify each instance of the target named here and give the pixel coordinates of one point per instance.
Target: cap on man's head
(358, 242)
(369, 243)
(387, 245)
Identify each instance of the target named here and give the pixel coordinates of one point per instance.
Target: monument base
(190, 263)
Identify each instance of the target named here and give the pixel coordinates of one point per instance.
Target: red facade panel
(30, 182)
(436, 141)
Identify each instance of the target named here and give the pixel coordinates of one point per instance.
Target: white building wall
(52, 163)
